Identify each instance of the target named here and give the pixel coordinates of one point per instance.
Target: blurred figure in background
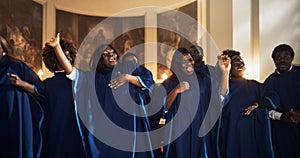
(21, 114)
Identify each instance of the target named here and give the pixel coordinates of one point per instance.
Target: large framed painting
(76, 27)
(173, 32)
(21, 25)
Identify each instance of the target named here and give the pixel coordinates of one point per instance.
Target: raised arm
(54, 42)
(224, 65)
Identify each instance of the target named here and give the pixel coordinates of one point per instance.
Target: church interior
(151, 28)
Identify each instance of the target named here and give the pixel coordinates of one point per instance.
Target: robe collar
(287, 71)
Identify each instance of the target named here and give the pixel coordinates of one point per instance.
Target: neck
(284, 71)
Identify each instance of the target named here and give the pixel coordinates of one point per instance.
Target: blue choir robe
(21, 113)
(189, 144)
(63, 137)
(203, 68)
(286, 136)
(131, 122)
(216, 104)
(242, 136)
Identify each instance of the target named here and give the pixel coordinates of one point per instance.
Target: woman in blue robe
(100, 118)
(187, 102)
(21, 114)
(63, 137)
(126, 83)
(241, 135)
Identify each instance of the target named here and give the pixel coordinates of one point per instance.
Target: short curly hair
(49, 56)
(233, 55)
(283, 47)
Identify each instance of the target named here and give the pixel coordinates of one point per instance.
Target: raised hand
(224, 63)
(183, 86)
(54, 41)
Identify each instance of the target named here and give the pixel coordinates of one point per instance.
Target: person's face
(109, 57)
(237, 70)
(195, 53)
(187, 64)
(283, 61)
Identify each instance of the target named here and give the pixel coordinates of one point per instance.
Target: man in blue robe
(126, 83)
(285, 81)
(213, 74)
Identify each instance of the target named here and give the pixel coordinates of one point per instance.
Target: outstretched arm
(122, 79)
(264, 103)
(54, 42)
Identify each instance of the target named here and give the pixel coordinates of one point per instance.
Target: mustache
(283, 63)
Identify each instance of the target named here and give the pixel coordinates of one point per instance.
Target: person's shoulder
(170, 80)
(23, 64)
(13, 61)
(25, 68)
(254, 81)
(272, 76)
(210, 66)
(57, 78)
(295, 72)
(48, 80)
(142, 68)
(274, 73)
(297, 68)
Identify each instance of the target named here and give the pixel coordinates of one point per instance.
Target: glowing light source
(40, 73)
(252, 71)
(164, 76)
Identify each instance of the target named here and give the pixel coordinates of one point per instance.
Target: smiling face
(237, 69)
(109, 57)
(283, 61)
(187, 64)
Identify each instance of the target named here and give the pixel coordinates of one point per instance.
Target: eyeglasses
(109, 53)
(187, 61)
(238, 64)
